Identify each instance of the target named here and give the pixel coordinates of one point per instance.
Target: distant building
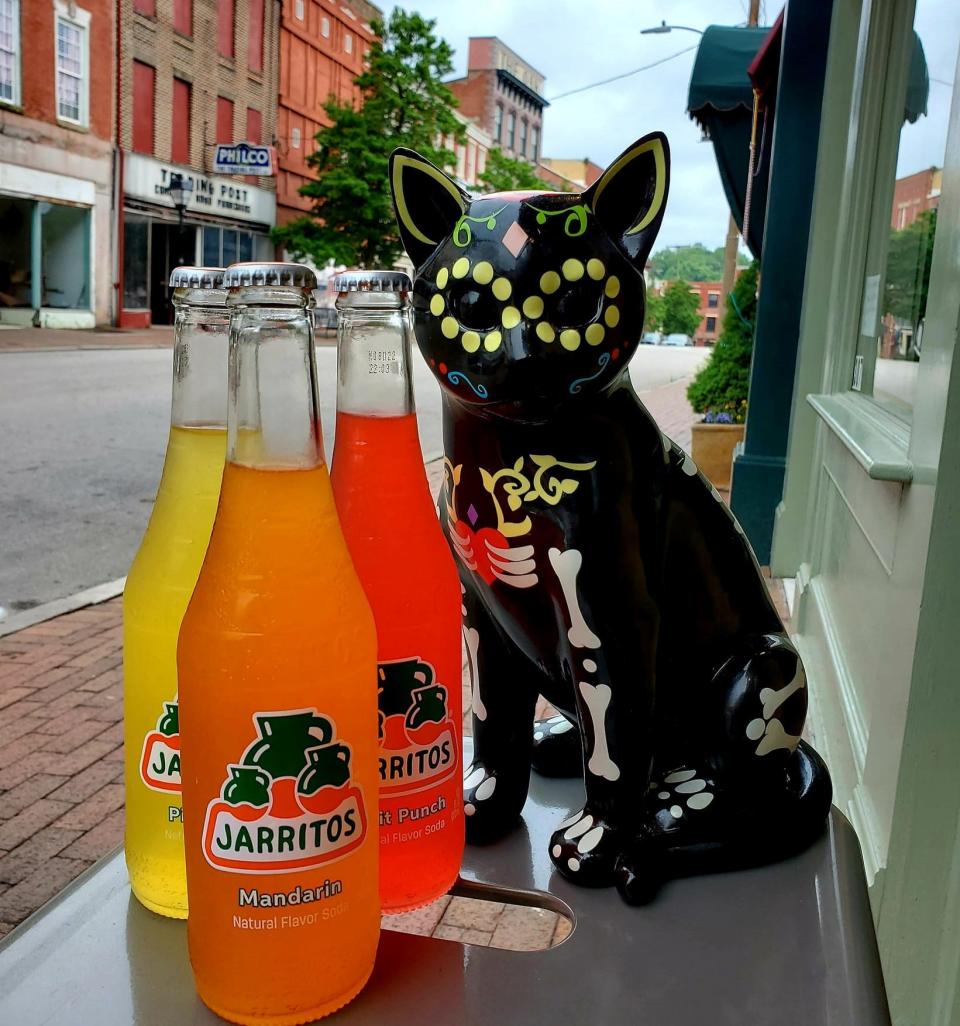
(193, 73)
(503, 95)
(583, 173)
(57, 92)
(914, 194)
(710, 311)
(322, 49)
(471, 155)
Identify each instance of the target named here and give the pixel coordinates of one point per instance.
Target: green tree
(504, 174)
(653, 315)
(692, 263)
(722, 383)
(680, 309)
(908, 268)
(405, 103)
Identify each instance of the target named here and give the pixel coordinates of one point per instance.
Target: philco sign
(243, 159)
(148, 179)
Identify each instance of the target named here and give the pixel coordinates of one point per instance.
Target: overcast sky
(573, 43)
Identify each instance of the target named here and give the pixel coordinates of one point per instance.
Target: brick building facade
(914, 194)
(322, 47)
(57, 93)
(504, 96)
(710, 311)
(192, 73)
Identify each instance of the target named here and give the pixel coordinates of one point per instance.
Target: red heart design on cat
(480, 543)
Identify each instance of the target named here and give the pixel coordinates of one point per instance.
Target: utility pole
(733, 233)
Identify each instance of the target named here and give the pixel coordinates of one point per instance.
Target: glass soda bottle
(277, 664)
(409, 576)
(159, 586)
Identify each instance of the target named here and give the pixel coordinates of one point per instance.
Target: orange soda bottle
(410, 579)
(277, 667)
(159, 586)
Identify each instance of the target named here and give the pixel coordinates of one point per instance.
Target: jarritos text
(160, 759)
(288, 803)
(418, 746)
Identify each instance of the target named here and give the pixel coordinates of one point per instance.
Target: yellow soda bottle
(159, 586)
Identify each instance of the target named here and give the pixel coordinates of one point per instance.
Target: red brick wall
(38, 63)
(313, 67)
(911, 196)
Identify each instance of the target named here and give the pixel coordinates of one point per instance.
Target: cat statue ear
(630, 197)
(427, 203)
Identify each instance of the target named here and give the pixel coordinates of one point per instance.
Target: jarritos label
(160, 759)
(288, 803)
(418, 746)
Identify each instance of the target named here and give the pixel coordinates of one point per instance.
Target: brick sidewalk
(26, 340)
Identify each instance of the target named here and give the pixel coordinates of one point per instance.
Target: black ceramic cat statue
(599, 568)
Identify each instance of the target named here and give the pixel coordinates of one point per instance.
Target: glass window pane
(901, 250)
(211, 247)
(246, 247)
(229, 247)
(63, 234)
(16, 217)
(135, 248)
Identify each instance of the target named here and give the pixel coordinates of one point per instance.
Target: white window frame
(325, 27)
(295, 138)
(78, 19)
(348, 42)
(298, 9)
(14, 100)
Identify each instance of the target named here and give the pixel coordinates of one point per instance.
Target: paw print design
(586, 847)
(552, 727)
(682, 792)
(478, 787)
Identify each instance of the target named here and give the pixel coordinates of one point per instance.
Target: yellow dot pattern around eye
(533, 307)
(545, 332)
(436, 305)
(449, 327)
(510, 317)
(570, 339)
(612, 288)
(549, 282)
(442, 275)
(572, 269)
(461, 267)
(492, 342)
(483, 273)
(612, 316)
(594, 334)
(471, 341)
(595, 268)
(502, 289)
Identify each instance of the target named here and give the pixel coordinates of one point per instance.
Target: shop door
(170, 246)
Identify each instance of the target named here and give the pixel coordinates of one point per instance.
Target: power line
(626, 74)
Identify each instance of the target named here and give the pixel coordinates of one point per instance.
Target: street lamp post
(663, 27)
(179, 191)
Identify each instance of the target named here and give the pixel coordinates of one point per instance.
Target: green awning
(720, 99)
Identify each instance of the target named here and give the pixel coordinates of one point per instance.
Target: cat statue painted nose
(599, 568)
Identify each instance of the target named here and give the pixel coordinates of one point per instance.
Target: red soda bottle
(390, 523)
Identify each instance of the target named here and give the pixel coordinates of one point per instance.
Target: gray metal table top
(787, 945)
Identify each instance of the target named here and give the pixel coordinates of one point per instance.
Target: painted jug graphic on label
(160, 761)
(289, 802)
(417, 735)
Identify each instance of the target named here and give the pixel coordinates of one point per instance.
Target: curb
(49, 610)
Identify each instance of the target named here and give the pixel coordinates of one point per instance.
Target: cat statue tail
(784, 829)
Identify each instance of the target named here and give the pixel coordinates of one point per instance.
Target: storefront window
(16, 218)
(908, 196)
(225, 246)
(229, 244)
(66, 272)
(211, 247)
(136, 238)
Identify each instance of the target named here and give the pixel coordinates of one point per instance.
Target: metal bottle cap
(196, 278)
(371, 281)
(260, 273)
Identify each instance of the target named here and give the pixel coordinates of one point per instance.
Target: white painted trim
(79, 19)
(32, 183)
(79, 600)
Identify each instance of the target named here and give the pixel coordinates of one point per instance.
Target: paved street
(83, 435)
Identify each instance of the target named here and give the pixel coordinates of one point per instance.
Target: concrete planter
(713, 446)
